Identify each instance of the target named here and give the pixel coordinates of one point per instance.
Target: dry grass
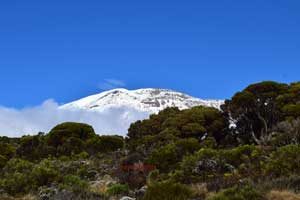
(27, 197)
(200, 190)
(282, 195)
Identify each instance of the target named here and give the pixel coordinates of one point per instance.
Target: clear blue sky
(67, 49)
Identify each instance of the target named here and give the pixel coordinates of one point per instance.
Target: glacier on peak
(144, 100)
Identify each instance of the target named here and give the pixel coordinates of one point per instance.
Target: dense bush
(35, 148)
(207, 164)
(16, 177)
(167, 157)
(64, 140)
(168, 191)
(287, 132)
(198, 122)
(69, 138)
(45, 173)
(105, 144)
(284, 161)
(17, 183)
(7, 151)
(3, 161)
(118, 189)
(239, 193)
(74, 183)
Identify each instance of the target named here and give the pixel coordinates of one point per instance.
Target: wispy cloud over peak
(111, 83)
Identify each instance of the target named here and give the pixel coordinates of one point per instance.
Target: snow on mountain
(143, 100)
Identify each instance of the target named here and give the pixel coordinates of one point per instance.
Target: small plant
(74, 183)
(118, 189)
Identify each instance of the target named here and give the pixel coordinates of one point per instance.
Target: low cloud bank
(30, 121)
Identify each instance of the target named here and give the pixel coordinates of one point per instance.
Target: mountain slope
(144, 100)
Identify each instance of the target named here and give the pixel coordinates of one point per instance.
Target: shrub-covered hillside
(248, 150)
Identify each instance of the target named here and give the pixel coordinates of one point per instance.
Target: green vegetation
(239, 193)
(118, 189)
(189, 154)
(168, 191)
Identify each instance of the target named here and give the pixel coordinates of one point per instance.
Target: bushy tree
(70, 137)
(255, 110)
(64, 131)
(35, 147)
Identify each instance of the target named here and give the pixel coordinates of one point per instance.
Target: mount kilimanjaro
(144, 100)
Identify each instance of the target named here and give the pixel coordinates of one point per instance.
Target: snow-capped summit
(148, 100)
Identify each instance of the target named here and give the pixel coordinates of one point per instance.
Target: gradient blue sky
(65, 50)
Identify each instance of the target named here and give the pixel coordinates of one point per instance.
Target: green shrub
(195, 123)
(164, 158)
(44, 173)
(74, 183)
(18, 165)
(16, 177)
(17, 183)
(7, 150)
(167, 191)
(284, 161)
(105, 144)
(167, 157)
(200, 165)
(3, 161)
(208, 163)
(30, 147)
(118, 189)
(247, 159)
(70, 129)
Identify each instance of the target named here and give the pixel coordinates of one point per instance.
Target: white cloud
(17, 122)
(109, 84)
